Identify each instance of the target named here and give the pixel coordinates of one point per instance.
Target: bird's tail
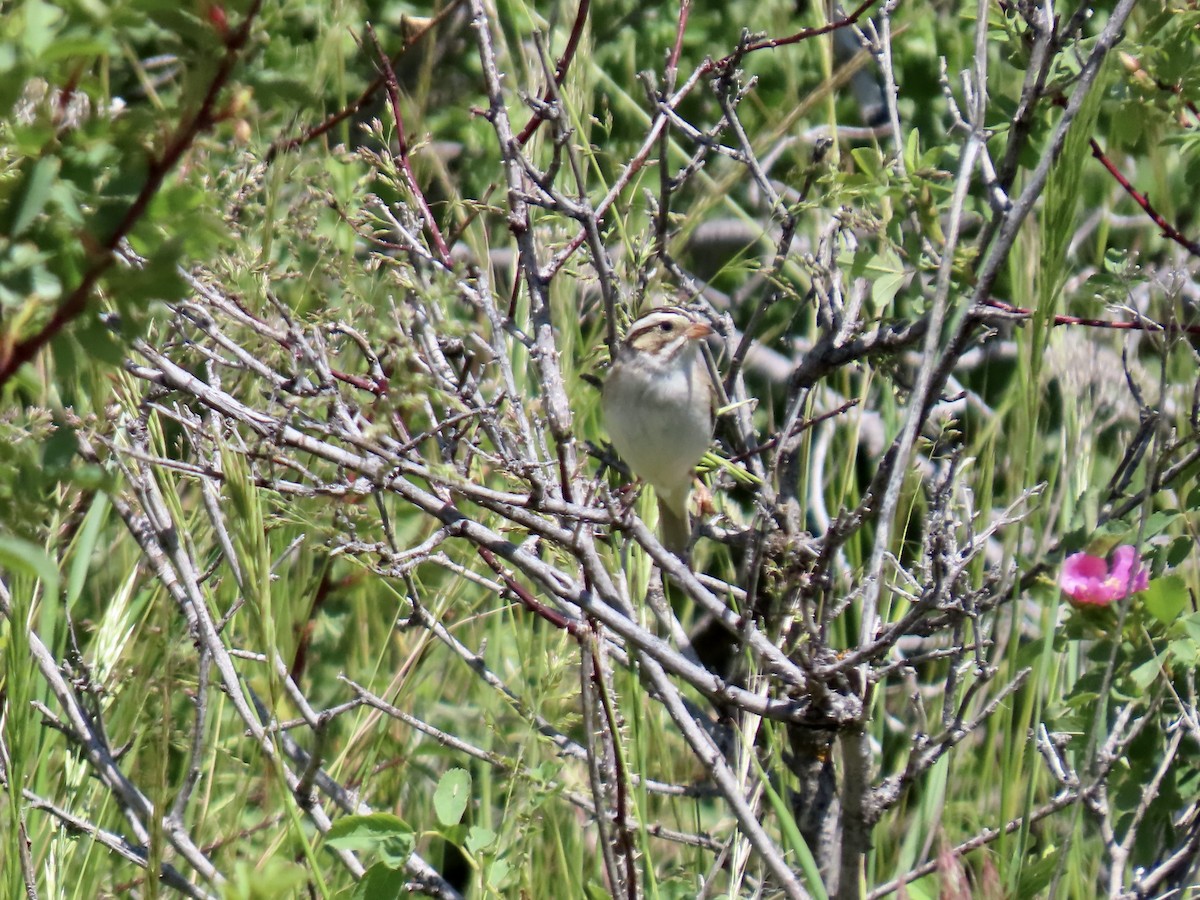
(673, 524)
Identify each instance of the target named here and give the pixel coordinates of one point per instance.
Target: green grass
(149, 507)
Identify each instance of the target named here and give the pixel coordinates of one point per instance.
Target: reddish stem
(105, 254)
(802, 35)
(635, 164)
(393, 92)
(685, 9)
(560, 71)
(288, 144)
(376, 386)
(1168, 230)
(553, 616)
(1100, 323)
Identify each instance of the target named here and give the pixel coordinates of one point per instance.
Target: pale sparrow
(658, 402)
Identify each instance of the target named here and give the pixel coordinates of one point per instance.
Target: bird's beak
(698, 330)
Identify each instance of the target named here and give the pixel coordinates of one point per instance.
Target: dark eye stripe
(652, 322)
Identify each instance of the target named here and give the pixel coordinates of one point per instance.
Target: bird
(658, 406)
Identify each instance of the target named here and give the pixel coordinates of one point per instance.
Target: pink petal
(1089, 579)
(1083, 566)
(1082, 578)
(1127, 574)
(1123, 560)
(1093, 592)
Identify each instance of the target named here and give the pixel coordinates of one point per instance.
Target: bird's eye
(666, 326)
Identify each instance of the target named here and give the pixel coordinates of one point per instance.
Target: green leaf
(31, 198)
(158, 278)
(98, 342)
(1145, 674)
(382, 833)
(1160, 521)
(887, 277)
(1179, 550)
(1082, 700)
(1036, 877)
(40, 21)
(479, 838)
(868, 162)
(272, 89)
(924, 888)
(1104, 543)
(8, 62)
(60, 450)
(85, 546)
(27, 558)
(450, 799)
(347, 830)
(1191, 626)
(498, 872)
(1166, 598)
(381, 882)
(262, 880)
(912, 151)
(76, 48)
(1184, 652)
(741, 475)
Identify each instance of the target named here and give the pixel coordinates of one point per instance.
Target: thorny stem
(393, 93)
(487, 461)
(1168, 230)
(104, 256)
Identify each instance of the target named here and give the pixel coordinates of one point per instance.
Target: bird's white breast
(661, 425)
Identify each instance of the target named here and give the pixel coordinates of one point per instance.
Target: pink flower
(1088, 579)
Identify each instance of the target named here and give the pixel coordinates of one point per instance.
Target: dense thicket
(319, 576)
